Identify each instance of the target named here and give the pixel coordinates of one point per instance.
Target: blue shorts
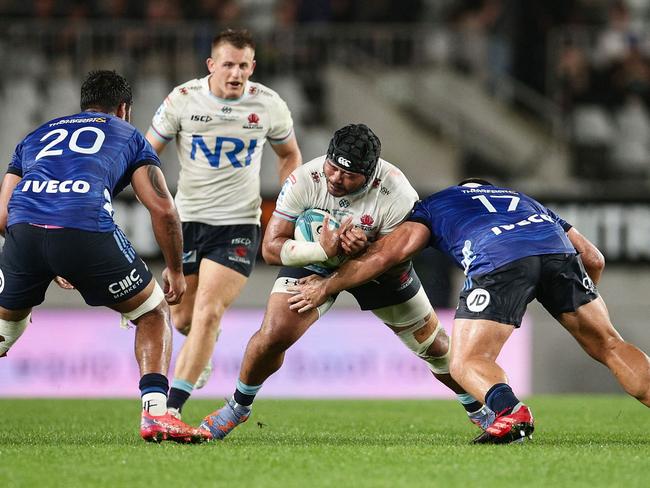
(102, 266)
(233, 246)
(558, 281)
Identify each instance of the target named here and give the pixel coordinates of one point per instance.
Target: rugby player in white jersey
(220, 123)
(370, 197)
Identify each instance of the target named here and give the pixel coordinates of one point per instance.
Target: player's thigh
(217, 288)
(282, 326)
(25, 272)
(102, 266)
(590, 325)
(482, 339)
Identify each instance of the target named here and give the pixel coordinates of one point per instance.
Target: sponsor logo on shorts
(189, 256)
(478, 300)
(2, 281)
(244, 241)
(588, 284)
(126, 285)
(55, 186)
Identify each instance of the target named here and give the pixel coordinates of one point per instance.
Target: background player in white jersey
(220, 124)
(57, 217)
(371, 197)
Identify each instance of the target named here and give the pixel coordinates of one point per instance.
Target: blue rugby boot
(222, 421)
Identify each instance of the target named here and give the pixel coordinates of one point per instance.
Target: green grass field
(580, 441)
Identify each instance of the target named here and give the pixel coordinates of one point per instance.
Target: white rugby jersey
(377, 208)
(219, 144)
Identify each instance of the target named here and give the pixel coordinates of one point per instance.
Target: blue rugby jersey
(72, 167)
(486, 227)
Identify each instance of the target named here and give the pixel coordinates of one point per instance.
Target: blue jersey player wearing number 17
(513, 250)
(57, 218)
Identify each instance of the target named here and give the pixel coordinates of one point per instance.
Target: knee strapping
(437, 364)
(156, 297)
(10, 332)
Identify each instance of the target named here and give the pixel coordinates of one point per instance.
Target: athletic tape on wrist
(299, 253)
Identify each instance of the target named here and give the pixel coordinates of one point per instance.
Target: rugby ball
(308, 228)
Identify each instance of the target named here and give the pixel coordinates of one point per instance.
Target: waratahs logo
(367, 220)
(253, 122)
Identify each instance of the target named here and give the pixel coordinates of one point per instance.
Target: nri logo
(54, 186)
(126, 284)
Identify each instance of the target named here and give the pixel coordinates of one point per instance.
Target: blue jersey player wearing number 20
(513, 250)
(57, 218)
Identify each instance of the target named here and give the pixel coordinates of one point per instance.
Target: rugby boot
(514, 427)
(169, 428)
(482, 418)
(222, 421)
(204, 376)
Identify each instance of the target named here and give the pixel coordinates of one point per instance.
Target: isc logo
(54, 186)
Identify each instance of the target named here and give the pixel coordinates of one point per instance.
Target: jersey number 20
(62, 134)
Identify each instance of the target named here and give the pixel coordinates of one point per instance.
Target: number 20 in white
(514, 200)
(61, 134)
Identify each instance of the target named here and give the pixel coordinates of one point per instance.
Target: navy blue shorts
(102, 266)
(558, 281)
(233, 246)
(395, 286)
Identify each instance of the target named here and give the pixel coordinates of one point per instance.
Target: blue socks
(500, 399)
(180, 392)
(245, 394)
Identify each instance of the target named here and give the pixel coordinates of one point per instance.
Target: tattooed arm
(151, 189)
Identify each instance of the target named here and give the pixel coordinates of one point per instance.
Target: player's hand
(310, 293)
(354, 241)
(173, 286)
(63, 283)
(330, 239)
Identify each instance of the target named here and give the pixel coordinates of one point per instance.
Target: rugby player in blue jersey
(513, 250)
(57, 219)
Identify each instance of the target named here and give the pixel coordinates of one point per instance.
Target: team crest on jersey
(366, 222)
(253, 122)
(315, 175)
(344, 202)
(367, 219)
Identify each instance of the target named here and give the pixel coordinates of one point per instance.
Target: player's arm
(592, 258)
(156, 141)
(151, 189)
(9, 182)
(289, 157)
(404, 242)
(279, 247)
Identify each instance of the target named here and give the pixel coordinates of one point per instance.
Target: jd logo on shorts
(478, 300)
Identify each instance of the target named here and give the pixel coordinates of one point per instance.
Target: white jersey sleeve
(282, 124)
(401, 205)
(296, 195)
(166, 122)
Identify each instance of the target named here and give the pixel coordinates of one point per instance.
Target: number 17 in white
(514, 201)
